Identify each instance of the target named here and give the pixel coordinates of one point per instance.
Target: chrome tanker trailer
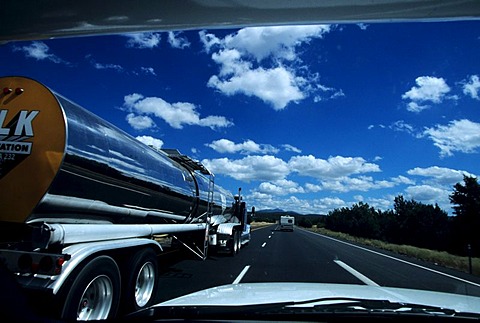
(82, 203)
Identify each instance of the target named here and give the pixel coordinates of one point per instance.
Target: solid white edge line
(240, 276)
(397, 259)
(355, 273)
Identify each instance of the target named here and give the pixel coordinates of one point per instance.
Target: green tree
(360, 220)
(466, 205)
(388, 226)
(421, 225)
(304, 222)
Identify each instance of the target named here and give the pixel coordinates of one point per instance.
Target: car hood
(268, 293)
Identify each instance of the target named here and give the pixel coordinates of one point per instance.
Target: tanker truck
(82, 204)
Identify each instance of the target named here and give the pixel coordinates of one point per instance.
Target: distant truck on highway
(83, 205)
(287, 222)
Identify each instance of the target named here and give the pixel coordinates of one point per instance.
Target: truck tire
(141, 280)
(239, 241)
(94, 293)
(249, 237)
(234, 243)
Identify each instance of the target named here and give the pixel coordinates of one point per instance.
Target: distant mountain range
(277, 211)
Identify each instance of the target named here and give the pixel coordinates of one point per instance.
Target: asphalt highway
(303, 256)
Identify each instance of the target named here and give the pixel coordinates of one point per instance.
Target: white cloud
(131, 99)
(150, 141)
(139, 122)
(291, 148)
(257, 196)
(175, 114)
(148, 70)
(361, 183)
(241, 57)
(359, 198)
(214, 122)
(248, 146)
(114, 67)
(39, 51)
(276, 86)
(415, 107)
(230, 62)
(143, 40)
(334, 167)
(317, 206)
(402, 126)
(428, 89)
(383, 203)
(472, 87)
(278, 41)
(259, 168)
(436, 186)
(440, 175)
(176, 41)
(280, 187)
(363, 26)
(327, 93)
(209, 40)
(309, 187)
(380, 203)
(324, 205)
(103, 66)
(459, 135)
(403, 180)
(428, 194)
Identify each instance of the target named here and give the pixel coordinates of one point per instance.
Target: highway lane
(303, 256)
(179, 276)
(288, 257)
(313, 257)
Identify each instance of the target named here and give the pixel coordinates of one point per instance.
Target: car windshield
(357, 144)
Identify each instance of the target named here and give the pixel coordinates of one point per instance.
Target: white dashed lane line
(244, 271)
(355, 273)
(240, 276)
(397, 259)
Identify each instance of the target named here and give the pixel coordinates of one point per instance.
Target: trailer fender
(227, 228)
(80, 252)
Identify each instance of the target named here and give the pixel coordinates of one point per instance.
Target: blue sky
(303, 118)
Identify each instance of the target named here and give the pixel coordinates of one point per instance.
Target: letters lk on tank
(13, 147)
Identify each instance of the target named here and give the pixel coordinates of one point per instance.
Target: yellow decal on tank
(32, 145)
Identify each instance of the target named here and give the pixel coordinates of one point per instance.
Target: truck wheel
(234, 244)
(141, 280)
(95, 291)
(249, 237)
(239, 241)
